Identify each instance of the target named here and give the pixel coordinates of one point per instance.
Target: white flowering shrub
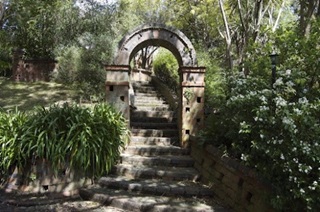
(276, 131)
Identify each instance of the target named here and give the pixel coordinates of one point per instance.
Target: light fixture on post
(274, 59)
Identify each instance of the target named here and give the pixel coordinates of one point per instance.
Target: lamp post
(273, 57)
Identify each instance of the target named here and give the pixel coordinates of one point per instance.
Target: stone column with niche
(191, 106)
(117, 88)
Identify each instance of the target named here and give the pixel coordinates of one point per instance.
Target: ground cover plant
(88, 139)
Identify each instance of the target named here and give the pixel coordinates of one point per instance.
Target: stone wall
(235, 184)
(138, 74)
(39, 177)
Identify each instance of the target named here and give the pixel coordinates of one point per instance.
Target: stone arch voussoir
(156, 35)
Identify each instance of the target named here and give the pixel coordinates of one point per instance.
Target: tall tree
(34, 24)
(226, 35)
(308, 10)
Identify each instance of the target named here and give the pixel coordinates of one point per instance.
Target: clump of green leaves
(10, 130)
(277, 132)
(89, 140)
(165, 67)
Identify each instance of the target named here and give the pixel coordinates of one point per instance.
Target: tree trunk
(307, 10)
(227, 36)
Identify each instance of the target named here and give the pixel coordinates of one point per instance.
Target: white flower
(303, 100)
(263, 99)
(287, 121)
(290, 84)
(281, 102)
(288, 72)
(297, 111)
(278, 81)
(244, 157)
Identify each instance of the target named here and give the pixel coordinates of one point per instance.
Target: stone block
(192, 191)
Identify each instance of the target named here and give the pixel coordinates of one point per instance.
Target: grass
(26, 95)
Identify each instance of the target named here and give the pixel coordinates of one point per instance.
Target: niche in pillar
(191, 103)
(117, 88)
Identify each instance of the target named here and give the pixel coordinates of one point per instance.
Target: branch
(240, 15)
(221, 34)
(225, 21)
(278, 18)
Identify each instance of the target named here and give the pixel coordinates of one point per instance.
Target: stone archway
(191, 100)
(156, 35)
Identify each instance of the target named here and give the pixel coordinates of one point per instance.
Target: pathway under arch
(191, 100)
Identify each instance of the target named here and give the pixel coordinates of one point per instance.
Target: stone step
(154, 132)
(152, 125)
(157, 187)
(154, 100)
(142, 84)
(173, 161)
(153, 150)
(153, 114)
(151, 103)
(150, 108)
(131, 201)
(151, 94)
(148, 90)
(161, 173)
(159, 141)
(152, 119)
(142, 98)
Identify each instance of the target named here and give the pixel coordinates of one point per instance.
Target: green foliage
(5, 54)
(215, 79)
(81, 68)
(165, 67)
(10, 130)
(34, 23)
(69, 61)
(277, 132)
(301, 55)
(91, 44)
(89, 140)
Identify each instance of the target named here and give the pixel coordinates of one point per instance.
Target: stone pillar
(117, 88)
(191, 106)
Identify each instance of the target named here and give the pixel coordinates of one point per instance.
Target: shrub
(10, 129)
(89, 140)
(81, 68)
(277, 132)
(69, 62)
(215, 81)
(165, 67)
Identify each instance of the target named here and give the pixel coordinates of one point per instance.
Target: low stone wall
(235, 184)
(39, 178)
(165, 91)
(140, 75)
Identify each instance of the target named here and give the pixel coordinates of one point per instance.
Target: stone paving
(48, 202)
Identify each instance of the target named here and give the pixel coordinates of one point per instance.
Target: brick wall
(235, 184)
(31, 70)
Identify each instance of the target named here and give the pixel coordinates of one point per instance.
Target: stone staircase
(154, 173)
